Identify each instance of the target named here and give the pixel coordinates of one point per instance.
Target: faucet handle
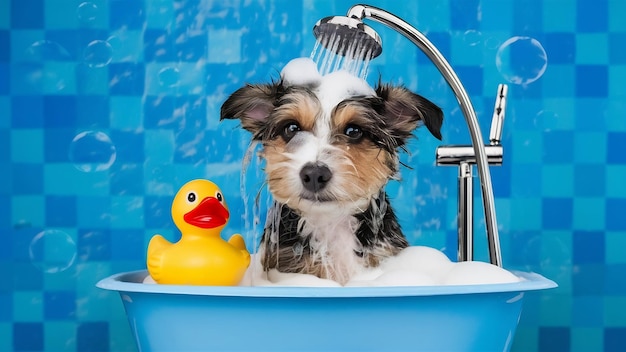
(497, 121)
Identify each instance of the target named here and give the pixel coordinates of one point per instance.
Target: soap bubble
(169, 76)
(52, 251)
(521, 60)
(87, 12)
(92, 151)
(98, 53)
(472, 37)
(46, 50)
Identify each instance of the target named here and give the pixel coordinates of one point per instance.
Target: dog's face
(330, 145)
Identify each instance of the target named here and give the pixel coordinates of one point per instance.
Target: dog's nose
(315, 176)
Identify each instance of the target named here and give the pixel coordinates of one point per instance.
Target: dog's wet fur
(327, 167)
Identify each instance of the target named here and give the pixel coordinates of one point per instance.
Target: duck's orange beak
(210, 213)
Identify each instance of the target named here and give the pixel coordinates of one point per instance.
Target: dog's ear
(252, 104)
(404, 110)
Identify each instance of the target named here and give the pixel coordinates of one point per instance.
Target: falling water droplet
(169, 77)
(87, 12)
(98, 53)
(521, 60)
(92, 151)
(52, 251)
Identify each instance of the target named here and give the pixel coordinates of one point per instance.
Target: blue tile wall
(108, 106)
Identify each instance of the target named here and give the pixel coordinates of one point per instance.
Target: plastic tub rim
(129, 282)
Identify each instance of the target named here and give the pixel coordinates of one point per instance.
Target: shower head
(348, 37)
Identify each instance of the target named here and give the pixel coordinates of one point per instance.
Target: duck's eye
(353, 132)
(290, 130)
(191, 197)
(219, 196)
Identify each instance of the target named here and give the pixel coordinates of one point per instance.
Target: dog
(330, 145)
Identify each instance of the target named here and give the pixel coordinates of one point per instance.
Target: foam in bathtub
(414, 266)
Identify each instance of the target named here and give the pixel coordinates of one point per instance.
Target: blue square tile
(556, 213)
(589, 180)
(26, 146)
(94, 245)
(92, 80)
(126, 78)
(593, 49)
(127, 244)
(614, 284)
(126, 13)
(159, 45)
(616, 145)
(614, 339)
(27, 14)
(193, 46)
(588, 279)
(589, 213)
(588, 247)
(617, 55)
(592, 16)
(61, 211)
(59, 111)
(464, 15)
(27, 178)
(93, 212)
(92, 336)
(588, 311)
(472, 78)
(558, 147)
(28, 336)
(560, 47)
(26, 276)
(59, 305)
(27, 112)
(129, 146)
(528, 16)
(592, 80)
(127, 179)
(6, 307)
(5, 79)
(553, 339)
(615, 219)
(5, 46)
(92, 111)
(57, 144)
(157, 211)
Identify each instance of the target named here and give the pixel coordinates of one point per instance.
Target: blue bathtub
(427, 318)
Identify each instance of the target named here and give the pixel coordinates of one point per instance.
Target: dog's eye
(290, 130)
(354, 132)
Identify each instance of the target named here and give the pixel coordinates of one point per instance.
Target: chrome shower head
(348, 37)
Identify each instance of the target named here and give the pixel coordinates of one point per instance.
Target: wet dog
(330, 146)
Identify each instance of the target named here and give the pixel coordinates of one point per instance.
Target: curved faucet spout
(365, 11)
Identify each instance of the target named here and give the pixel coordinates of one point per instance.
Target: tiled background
(107, 107)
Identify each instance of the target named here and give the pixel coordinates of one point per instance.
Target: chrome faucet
(345, 31)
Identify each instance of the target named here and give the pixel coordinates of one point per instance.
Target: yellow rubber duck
(201, 256)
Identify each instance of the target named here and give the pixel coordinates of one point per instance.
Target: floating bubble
(52, 251)
(87, 12)
(472, 37)
(92, 151)
(46, 50)
(98, 53)
(169, 77)
(521, 60)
